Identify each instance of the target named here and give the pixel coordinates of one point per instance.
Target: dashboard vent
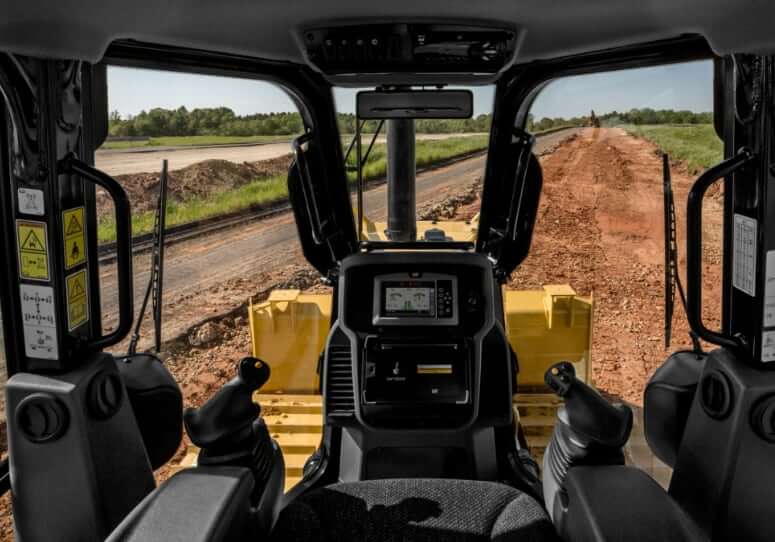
(340, 395)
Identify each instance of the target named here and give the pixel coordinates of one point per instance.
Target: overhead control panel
(417, 48)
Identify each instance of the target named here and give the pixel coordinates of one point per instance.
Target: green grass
(427, 152)
(188, 141)
(262, 191)
(696, 144)
(268, 190)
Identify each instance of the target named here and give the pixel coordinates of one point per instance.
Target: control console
(412, 372)
(417, 336)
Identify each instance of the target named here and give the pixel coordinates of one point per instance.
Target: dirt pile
(198, 180)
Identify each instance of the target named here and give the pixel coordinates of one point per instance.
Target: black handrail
(694, 246)
(70, 164)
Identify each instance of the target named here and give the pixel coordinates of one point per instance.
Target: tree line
(222, 121)
(614, 118)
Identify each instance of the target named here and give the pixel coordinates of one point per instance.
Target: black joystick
(226, 419)
(228, 428)
(591, 417)
(589, 430)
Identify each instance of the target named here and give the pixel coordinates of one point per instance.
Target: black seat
(412, 510)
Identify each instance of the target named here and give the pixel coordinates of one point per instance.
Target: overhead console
(409, 48)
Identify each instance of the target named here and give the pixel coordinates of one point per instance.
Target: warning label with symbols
(744, 256)
(31, 201)
(39, 321)
(75, 237)
(33, 250)
(77, 300)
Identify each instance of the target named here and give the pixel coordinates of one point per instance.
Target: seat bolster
(522, 520)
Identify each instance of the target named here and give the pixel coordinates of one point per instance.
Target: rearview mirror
(415, 104)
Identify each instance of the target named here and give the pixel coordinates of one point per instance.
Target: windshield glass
(449, 160)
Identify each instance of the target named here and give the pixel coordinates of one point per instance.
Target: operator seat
(412, 510)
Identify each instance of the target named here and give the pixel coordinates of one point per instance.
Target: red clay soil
(599, 229)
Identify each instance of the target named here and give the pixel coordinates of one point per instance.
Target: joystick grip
(586, 412)
(226, 418)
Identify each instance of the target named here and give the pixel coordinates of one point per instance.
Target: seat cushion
(411, 510)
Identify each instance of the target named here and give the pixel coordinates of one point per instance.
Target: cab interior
(420, 439)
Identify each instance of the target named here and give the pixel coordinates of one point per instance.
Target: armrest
(207, 504)
(616, 503)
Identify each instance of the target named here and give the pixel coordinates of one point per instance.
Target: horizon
(686, 86)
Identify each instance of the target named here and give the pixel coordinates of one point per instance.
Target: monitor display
(417, 299)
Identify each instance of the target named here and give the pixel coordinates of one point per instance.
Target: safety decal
(77, 300)
(769, 290)
(33, 250)
(75, 237)
(39, 321)
(768, 346)
(31, 201)
(744, 254)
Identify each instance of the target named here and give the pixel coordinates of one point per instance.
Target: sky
(679, 86)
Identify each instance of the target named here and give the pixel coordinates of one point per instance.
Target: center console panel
(417, 336)
(417, 325)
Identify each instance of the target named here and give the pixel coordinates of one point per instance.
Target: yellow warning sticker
(33, 250)
(75, 237)
(77, 300)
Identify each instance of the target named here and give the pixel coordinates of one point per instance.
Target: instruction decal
(744, 257)
(768, 346)
(75, 237)
(769, 290)
(39, 321)
(77, 300)
(31, 201)
(33, 250)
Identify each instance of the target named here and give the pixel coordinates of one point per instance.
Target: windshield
(448, 168)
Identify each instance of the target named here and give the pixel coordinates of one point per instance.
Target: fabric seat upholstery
(413, 510)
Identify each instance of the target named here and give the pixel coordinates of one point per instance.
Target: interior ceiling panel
(269, 28)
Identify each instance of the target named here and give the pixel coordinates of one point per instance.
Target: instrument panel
(415, 298)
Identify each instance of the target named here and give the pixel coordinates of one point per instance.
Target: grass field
(426, 153)
(268, 190)
(696, 144)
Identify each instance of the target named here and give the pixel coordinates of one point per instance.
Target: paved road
(143, 159)
(194, 267)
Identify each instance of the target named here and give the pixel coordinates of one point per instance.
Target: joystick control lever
(589, 430)
(229, 430)
(226, 419)
(591, 417)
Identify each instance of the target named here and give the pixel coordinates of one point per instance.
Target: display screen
(417, 299)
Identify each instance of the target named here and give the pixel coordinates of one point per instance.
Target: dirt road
(142, 159)
(600, 229)
(208, 275)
